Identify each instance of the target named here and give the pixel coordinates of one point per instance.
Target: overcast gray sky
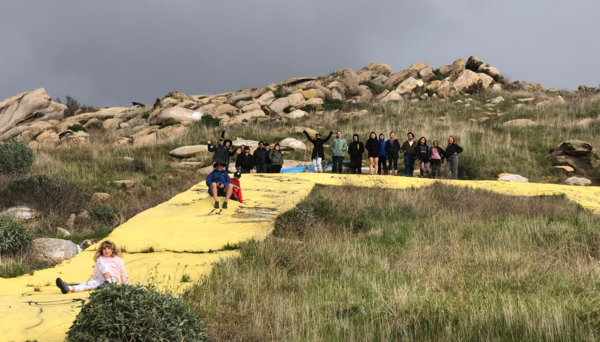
(109, 53)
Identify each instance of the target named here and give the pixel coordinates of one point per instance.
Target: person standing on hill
(382, 164)
(268, 150)
(422, 151)
(356, 150)
(260, 158)
(409, 150)
(338, 149)
(276, 159)
(221, 152)
(245, 161)
(436, 158)
(452, 152)
(373, 146)
(392, 148)
(227, 144)
(318, 153)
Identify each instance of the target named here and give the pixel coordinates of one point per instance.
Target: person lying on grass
(108, 269)
(219, 184)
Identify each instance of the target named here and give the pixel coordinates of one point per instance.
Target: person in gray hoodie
(338, 149)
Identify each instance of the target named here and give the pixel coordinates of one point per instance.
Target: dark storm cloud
(109, 53)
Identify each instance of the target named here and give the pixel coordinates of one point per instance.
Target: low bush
(170, 123)
(46, 194)
(280, 93)
(329, 104)
(287, 109)
(15, 158)
(209, 121)
(146, 115)
(135, 313)
(108, 117)
(103, 215)
(13, 236)
(77, 128)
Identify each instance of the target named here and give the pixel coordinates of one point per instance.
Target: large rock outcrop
(28, 107)
(576, 154)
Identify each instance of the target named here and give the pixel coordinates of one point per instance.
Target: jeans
(261, 168)
(394, 160)
(356, 162)
(382, 165)
(337, 164)
(436, 166)
(452, 165)
(318, 164)
(409, 165)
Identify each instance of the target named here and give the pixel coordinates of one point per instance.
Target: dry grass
(438, 263)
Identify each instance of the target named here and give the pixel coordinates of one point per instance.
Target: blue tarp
(297, 169)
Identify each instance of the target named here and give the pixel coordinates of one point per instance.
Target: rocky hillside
(34, 118)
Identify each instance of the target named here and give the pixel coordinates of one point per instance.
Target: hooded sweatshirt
(221, 152)
(382, 153)
(318, 143)
(339, 147)
(422, 152)
(373, 146)
(356, 148)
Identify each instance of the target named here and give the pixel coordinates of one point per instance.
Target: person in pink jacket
(109, 269)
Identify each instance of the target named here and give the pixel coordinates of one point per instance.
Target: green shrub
(170, 123)
(499, 79)
(46, 194)
(135, 313)
(280, 93)
(309, 108)
(333, 104)
(287, 109)
(209, 121)
(103, 215)
(108, 117)
(15, 157)
(146, 115)
(13, 236)
(77, 128)
(438, 75)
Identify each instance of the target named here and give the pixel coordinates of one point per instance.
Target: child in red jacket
(237, 189)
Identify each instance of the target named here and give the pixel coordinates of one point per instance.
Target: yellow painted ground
(32, 308)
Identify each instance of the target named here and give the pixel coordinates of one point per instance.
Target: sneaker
(224, 205)
(63, 286)
(216, 205)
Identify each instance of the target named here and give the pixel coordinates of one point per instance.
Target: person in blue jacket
(383, 170)
(219, 183)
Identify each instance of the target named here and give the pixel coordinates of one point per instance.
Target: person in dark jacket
(392, 148)
(260, 158)
(436, 158)
(318, 154)
(245, 161)
(219, 183)
(356, 150)
(382, 162)
(373, 146)
(268, 150)
(422, 151)
(276, 159)
(452, 152)
(221, 152)
(232, 152)
(408, 148)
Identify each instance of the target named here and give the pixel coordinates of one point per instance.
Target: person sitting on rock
(221, 152)
(245, 161)
(236, 193)
(219, 183)
(108, 269)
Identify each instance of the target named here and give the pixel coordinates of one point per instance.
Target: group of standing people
(383, 155)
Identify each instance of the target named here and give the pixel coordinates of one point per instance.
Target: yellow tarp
(32, 308)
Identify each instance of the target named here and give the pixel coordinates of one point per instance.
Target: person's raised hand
(208, 142)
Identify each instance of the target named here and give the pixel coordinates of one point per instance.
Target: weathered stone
(292, 143)
(296, 114)
(188, 151)
(576, 154)
(427, 74)
(72, 139)
(251, 107)
(409, 85)
(62, 231)
(486, 80)
(48, 138)
(454, 69)
(419, 66)
(111, 124)
(93, 123)
(53, 251)
(174, 114)
(267, 97)
(488, 70)
(382, 94)
(373, 69)
(349, 79)
(512, 178)
(578, 181)
(124, 183)
(20, 213)
(100, 197)
(239, 97)
(520, 123)
(310, 131)
(123, 141)
(395, 79)
(391, 96)
(171, 133)
(146, 140)
(497, 100)
(473, 63)
(548, 101)
(27, 107)
(466, 80)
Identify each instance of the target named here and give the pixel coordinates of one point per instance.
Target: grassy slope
(438, 263)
